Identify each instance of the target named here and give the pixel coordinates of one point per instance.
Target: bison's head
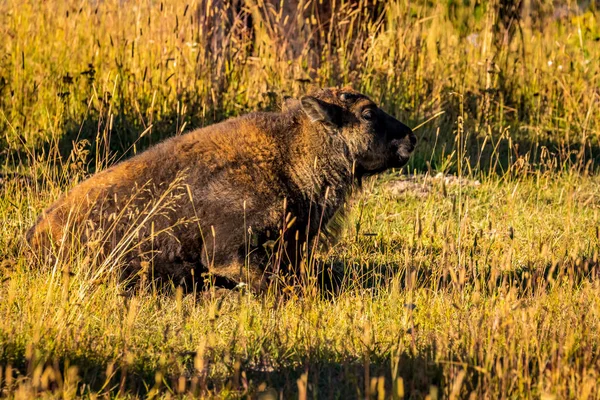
(375, 140)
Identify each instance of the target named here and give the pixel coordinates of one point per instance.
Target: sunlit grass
(482, 284)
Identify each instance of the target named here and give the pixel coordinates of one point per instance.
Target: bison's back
(151, 191)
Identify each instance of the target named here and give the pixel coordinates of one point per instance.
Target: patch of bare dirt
(421, 185)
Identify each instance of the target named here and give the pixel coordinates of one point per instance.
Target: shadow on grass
(496, 155)
(346, 379)
(315, 373)
(527, 280)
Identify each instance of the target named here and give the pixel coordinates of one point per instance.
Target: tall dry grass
(483, 286)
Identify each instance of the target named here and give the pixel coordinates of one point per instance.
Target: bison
(238, 199)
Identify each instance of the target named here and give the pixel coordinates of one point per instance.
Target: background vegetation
(474, 275)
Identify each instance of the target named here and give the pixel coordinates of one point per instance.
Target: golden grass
(484, 286)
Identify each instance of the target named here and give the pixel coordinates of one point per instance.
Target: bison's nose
(409, 139)
(413, 139)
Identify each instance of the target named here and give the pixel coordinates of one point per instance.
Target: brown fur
(244, 179)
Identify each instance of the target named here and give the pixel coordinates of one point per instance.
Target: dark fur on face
(225, 197)
(376, 140)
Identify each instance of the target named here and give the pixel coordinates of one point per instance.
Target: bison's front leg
(229, 256)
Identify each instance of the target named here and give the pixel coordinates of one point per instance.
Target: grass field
(471, 273)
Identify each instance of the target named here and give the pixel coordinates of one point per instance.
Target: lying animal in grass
(239, 199)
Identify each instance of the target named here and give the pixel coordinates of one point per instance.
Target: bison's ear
(319, 111)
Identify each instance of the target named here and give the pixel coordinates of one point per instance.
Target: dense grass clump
(471, 273)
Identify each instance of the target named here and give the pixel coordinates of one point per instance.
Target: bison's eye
(348, 97)
(368, 115)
